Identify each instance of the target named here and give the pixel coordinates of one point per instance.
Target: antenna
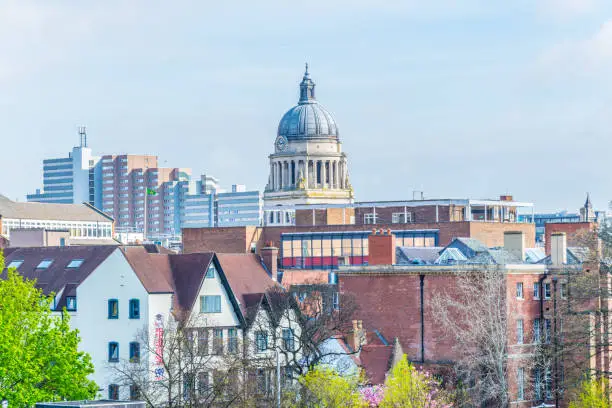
(83, 135)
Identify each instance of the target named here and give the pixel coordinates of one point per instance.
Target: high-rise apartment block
(131, 188)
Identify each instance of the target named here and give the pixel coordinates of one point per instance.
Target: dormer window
(15, 264)
(71, 303)
(44, 264)
(75, 263)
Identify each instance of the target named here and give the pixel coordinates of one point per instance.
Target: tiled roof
(57, 275)
(153, 270)
(474, 244)
(375, 362)
(245, 275)
(188, 271)
(47, 211)
(416, 255)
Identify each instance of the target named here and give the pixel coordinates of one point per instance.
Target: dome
(308, 119)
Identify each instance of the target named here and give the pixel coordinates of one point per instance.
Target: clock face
(281, 143)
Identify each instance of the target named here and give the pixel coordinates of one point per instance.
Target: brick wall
(238, 239)
(224, 240)
(571, 229)
(324, 216)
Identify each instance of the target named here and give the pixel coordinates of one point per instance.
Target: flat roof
(49, 211)
(86, 403)
(405, 203)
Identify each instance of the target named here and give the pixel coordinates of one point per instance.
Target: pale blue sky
(456, 98)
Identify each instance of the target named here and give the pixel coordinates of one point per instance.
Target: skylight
(15, 264)
(44, 264)
(75, 263)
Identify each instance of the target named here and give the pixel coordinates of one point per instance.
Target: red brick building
(395, 302)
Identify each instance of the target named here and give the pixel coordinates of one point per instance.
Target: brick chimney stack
(558, 248)
(514, 242)
(269, 257)
(381, 247)
(356, 336)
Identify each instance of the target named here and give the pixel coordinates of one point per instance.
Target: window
(536, 290)
(134, 309)
(563, 290)
(369, 218)
(62, 242)
(134, 352)
(218, 341)
(537, 324)
(262, 381)
(113, 352)
(71, 303)
(547, 291)
(286, 377)
(547, 327)
(75, 263)
(210, 273)
(261, 341)
(336, 300)
(188, 386)
(548, 384)
(232, 340)
(15, 264)
(113, 309)
(519, 331)
(203, 383)
(401, 218)
(44, 264)
(537, 384)
(210, 304)
(520, 383)
(288, 340)
(203, 342)
(113, 392)
(519, 290)
(134, 392)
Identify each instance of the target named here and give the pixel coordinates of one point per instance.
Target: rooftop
(46, 211)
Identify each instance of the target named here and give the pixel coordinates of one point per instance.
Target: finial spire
(307, 94)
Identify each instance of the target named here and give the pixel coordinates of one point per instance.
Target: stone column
(323, 173)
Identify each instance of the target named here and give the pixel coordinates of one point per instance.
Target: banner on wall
(159, 348)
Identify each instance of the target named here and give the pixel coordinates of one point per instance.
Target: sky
(453, 98)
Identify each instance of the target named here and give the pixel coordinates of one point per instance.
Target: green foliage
(39, 357)
(591, 395)
(407, 387)
(327, 389)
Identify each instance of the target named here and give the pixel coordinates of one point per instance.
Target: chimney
(558, 248)
(356, 336)
(381, 247)
(514, 242)
(269, 257)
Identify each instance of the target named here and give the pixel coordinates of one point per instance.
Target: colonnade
(323, 173)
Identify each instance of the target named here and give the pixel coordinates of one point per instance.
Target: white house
(115, 294)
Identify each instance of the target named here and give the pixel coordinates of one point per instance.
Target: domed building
(308, 165)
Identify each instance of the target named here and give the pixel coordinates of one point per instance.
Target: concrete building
(308, 165)
(114, 294)
(72, 179)
(81, 223)
(131, 188)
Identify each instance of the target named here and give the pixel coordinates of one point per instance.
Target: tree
(592, 394)
(407, 387)
(181, 365)
(322, 387)
(39, 356)
(475, 315)
(308, 311)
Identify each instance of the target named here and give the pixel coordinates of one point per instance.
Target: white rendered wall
(113, 279)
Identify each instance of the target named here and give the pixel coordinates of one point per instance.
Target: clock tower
(308, 165)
